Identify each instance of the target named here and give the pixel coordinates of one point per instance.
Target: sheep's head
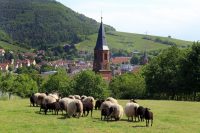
(133, 100)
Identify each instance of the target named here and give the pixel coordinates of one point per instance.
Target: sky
(178, 18)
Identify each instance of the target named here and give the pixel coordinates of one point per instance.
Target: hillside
(132, 42)
(44, 22)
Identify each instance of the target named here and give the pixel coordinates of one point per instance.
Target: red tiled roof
(120, 60)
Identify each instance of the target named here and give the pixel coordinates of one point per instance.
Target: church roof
(101, 40)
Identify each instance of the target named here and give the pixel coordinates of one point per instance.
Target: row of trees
(83, 83)
(174, 74)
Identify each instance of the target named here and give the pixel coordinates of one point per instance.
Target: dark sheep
(87, 106)
(105, 114)
(52, 106)
(148, 115)
(32, 102)
(140, 113)
(98, 104)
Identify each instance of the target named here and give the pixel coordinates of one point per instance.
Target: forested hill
(43, 22)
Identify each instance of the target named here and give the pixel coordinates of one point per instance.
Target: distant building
(144, 59)
(101, 62)
(2, 52)
(120, 60)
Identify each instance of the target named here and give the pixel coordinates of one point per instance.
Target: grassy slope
(128, 41)
(170, 116)
(12, 47)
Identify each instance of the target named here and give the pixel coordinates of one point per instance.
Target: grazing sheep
(148, 115)
(83, 97)
(98, 104)
(75, 108)
(55, 95)
(32, 102)
(52, 106)
(116, 111)
(87, 107)
(71, 97)
(133, 100)
(131, 110)
(39, 98)
(140, 113)
(105, 109)
(112, 100)
(77, 97)
(64, 102)
(46, 100)
(89, 99)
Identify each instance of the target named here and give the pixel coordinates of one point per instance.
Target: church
(101, 63)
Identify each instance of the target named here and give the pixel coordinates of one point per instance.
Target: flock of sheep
(76, 106)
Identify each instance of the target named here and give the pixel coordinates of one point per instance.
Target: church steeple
(101, 62)
(101, 43)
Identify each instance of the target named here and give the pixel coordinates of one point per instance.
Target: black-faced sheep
(105, 109)
(98, 104)
(55, 106)
(140, 113)
(115, 111)
(131, 110)
(87, 107)
(47, 99)
(148, 115)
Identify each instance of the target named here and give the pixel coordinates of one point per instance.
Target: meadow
(130, 42)
(169, 117)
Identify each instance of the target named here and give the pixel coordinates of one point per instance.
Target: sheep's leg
(151, 122)
(91, 113)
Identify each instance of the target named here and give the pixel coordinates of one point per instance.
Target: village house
(2, 52)
(4, 67)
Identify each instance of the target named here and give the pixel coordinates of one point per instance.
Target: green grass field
(129, 42)
(12, 47)
(169, 117)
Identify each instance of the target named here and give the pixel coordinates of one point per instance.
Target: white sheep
(116, 111)
(71, 96)
(77, 97)
(111, 99)
(38, 98)
(64, 102)
(83, 97)
(75, 108)
(131, 109)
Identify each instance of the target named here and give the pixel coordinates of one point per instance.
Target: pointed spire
(101, 40)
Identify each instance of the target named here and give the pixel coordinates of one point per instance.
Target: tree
(190, 71)
(128, 86)
(59, 82)
(24, 85)
(90, 84)
(7, 84)
(134, 60)
(162, 73)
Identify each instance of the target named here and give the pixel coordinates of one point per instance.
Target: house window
(105, 56)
